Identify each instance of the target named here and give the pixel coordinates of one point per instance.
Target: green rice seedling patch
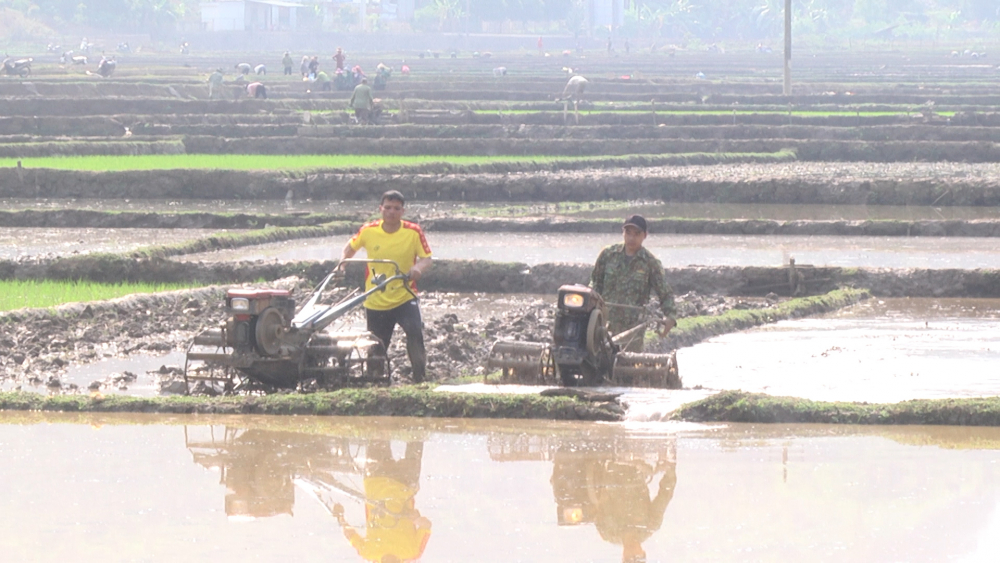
(17, 294)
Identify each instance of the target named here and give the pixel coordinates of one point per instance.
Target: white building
(250, 15)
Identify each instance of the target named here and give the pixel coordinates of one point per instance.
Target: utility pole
(787, 89)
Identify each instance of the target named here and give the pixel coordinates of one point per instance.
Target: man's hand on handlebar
(665, 326)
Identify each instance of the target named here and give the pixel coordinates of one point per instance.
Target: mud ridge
(400, 401)
(69, 218)
(85, 218)
(739, 406)
(758, 183)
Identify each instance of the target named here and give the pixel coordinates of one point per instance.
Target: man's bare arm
(420, 268)
(346, 253)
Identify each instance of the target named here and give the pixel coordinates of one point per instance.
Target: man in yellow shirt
(391, 238)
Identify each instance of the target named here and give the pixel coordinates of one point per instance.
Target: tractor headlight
(573, 300)
(573, 515)
(240, 304)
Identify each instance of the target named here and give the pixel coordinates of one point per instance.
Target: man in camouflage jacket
(627, 274)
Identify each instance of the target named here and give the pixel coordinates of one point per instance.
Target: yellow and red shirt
(404, 247)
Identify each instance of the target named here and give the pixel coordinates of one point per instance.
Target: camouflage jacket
(630, 282)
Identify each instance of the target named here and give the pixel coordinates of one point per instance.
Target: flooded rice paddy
(187, 488)
(880, 351)
(672, 250)
(26, 241)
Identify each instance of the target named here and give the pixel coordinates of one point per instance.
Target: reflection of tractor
(582, 352)
(619, 483)
(260, 468)
(265, 345)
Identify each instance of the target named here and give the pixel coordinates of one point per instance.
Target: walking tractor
(266, 345)
(582, 351)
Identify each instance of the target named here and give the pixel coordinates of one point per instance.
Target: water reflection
(604, 482)
(613, 495)
(110, 487)
(261, 470)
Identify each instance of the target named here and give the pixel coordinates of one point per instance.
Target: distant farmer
(257, 90)
(287, 63)
(260, 69)
(499, 71)
(323, 81)
(627, 274)
(403, 242)
(541, 49)
(362, 101)
(313, 66)
(214, 83)
(574, 88)
(243, 68)
(339, 58)
(304, 66)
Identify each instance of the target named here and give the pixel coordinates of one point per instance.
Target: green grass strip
(420, 401)
(739, 406)
(114, 163)
(18, 294)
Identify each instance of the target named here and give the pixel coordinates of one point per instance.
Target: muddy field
(459, 331)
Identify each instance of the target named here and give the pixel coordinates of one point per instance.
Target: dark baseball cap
(636, 221)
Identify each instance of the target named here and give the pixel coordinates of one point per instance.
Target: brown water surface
(31, 241)
(100, 488)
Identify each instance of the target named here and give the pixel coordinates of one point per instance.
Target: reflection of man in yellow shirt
(395, 530)
(403, 242)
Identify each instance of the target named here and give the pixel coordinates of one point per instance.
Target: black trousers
(407, 316)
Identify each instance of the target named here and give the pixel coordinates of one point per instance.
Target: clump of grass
(17, 294)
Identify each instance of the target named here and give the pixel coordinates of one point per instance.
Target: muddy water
(672, 250)
(112, 488)
(878, 351)
(15, 242)
(598, 210)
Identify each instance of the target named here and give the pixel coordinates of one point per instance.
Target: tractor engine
(581, 346)
(255, 317)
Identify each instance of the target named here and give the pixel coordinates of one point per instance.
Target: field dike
(477, 276)
(86, 148)
(420, 401)
(85, 218)
(440, 183)
(72, 218)
(739, 406)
